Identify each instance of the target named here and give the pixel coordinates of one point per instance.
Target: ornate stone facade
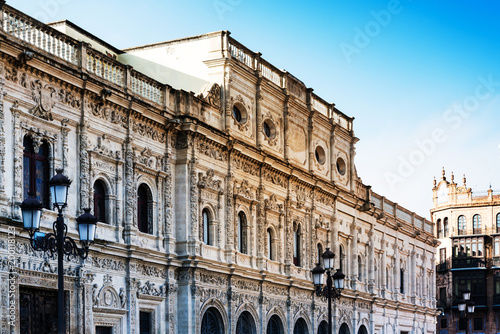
(276, 173)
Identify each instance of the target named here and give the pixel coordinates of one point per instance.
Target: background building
(218, 180)
(468, 227)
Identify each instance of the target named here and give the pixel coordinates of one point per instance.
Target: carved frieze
(245, 165)
(244, 189)
(115, 115)
(149, 290)
(271, 203)
(209, 182)
(211, 278)
(213, 96)
(211, 150)
(149, 129)
(107, 263)
(103, 147)
(275, 178)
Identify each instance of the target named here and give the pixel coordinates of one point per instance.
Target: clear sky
(421, 77)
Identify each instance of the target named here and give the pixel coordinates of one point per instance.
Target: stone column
(133, 309)
(3, 196)
(84, 176)
(17, 193)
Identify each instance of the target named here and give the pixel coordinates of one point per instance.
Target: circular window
(320, 155)
(239, 114)
(341, 166)
(269, 129)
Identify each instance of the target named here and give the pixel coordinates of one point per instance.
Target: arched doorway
(344, 329)
(323, 327)
(300, 327)
(362, 330)
(212, 322)
(275, 326)
(245, 324)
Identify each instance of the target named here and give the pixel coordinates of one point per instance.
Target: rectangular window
(480, 248)
(474, 250)
(444, 323)
(462, 324)
(442, 297)
(497, 247)
(478, 324)
(442, 255)
(145, 322)
(103, 330)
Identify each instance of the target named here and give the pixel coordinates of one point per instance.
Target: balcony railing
(462, 232)
(468, 262)
(442, 266)
(478, 230)
(52, 41)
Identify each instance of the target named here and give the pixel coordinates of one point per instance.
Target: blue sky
(422, 78)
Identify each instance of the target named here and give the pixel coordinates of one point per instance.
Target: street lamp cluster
(466, 307)
(58, 241)
(334, 282)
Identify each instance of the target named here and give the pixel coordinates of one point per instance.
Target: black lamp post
(466, 307)
(334, 282)
(58, 241)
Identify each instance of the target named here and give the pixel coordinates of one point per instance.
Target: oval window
(320, 155)
(341, 166)
(269, 129)
(237, 114)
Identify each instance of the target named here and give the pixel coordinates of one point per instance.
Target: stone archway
(362, 330)
(300, 327)
(274, 325)
(323, 327)
(245, 324)
(212, 322)
(344, 329)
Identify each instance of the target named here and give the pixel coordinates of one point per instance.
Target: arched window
(274, 325)
(270, 250)
(300, 327)
(498, 222)
(36, 170)
(360, 269)
(211, 322)
(320, 253)
(296, 246)
(476, 224)
(245, 324)
(144, 209)
(206, 227)
(439, 229)
(242, 237)
(344, 329)
(446, 231)
(341, 259)
(100, 201)
(323, 327)
(387, 279)
(401, 280)
(461, 225)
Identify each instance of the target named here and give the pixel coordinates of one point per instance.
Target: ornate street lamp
(466, 307)
(58, 241)
(334, 283)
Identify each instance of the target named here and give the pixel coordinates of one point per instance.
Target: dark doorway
(37, 311)
(103, 330)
